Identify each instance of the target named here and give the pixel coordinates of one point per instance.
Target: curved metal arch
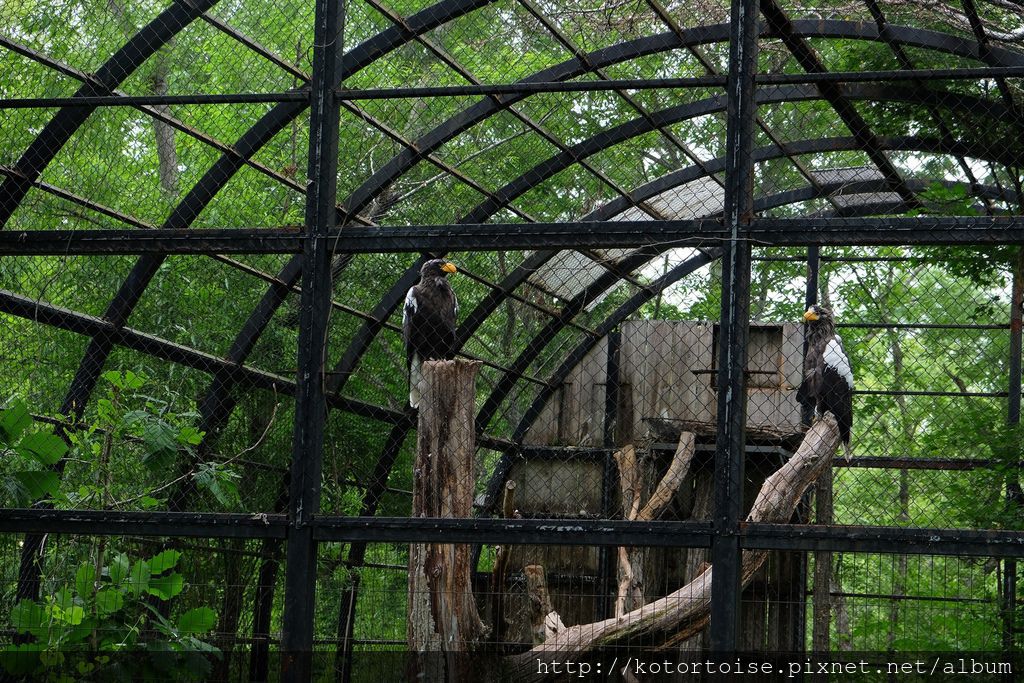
(271, 123)
(839, 31)
(910, 143)
(794, 196)
(618, 134)
(604, 57)
(207, 187)
(647, 45)
(67, 120)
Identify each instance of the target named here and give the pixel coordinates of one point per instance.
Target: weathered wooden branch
(501, 558)
(631, 559)
(443, 616)
(683, 613)
(682, 459)
(630, 567)
(544, 620)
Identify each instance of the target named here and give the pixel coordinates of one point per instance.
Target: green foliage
(84, 626)
(28, 456)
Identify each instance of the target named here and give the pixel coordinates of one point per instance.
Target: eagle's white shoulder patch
(410, 303)
(835, 357)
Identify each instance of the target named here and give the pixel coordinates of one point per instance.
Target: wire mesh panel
(359, 340)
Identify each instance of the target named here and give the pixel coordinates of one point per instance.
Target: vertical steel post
(734, 330)
(1014, 496)
(310, 408)
(605, 558)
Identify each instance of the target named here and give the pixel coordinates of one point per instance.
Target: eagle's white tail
(415, 377)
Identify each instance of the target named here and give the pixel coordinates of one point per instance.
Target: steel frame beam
(712, 232)
(297, 627)
(734, 328)
(610, 234)
(859, 231)
(692, 534)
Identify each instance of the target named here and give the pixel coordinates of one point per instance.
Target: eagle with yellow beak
(828, 377)
(428, 322)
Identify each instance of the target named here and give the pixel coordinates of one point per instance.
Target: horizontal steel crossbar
(942, 230)
(526, 87)
(589, 532)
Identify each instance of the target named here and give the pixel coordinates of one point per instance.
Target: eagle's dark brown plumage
(828, 377)
(428, 321)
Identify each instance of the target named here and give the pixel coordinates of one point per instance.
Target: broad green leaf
(105, 411)
(119, 568)
(135, 416)
(114, 377)
(220, 481)
(63, 598)
(138, 579)
(148, 502)
(44, 447)
(13, 421)
(109, 600)
(39, 483)
(190, 436)
(160, 441)
(133, 381)
(85, 579)
(72, 615)
(198, 620)
(163, 561)
(28, 616)
(166, 586)
(51, 658)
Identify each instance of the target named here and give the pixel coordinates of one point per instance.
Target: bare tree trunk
(681, 614)
(844, 634)
(545, 622)
(443, 621)
(502, 555)
(631, 559)
(822, 569)
(166, 149)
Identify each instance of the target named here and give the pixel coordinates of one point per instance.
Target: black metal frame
(334, 227)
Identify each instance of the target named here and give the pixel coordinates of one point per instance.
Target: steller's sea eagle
(828, 378)
(428, 321)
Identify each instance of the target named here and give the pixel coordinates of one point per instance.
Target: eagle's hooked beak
(810, 315)
(449, 268)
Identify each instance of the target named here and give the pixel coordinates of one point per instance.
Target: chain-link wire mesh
(583, 406)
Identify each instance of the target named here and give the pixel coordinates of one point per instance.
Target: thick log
(545, 622)
(681, 614)
(631, 560)
(682, 459)
(443, 620)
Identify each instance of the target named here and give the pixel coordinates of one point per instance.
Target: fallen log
(685, 612)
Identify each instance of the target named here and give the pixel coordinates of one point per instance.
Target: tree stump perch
(443, 620)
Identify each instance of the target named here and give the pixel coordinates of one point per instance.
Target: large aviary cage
(212, 213)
